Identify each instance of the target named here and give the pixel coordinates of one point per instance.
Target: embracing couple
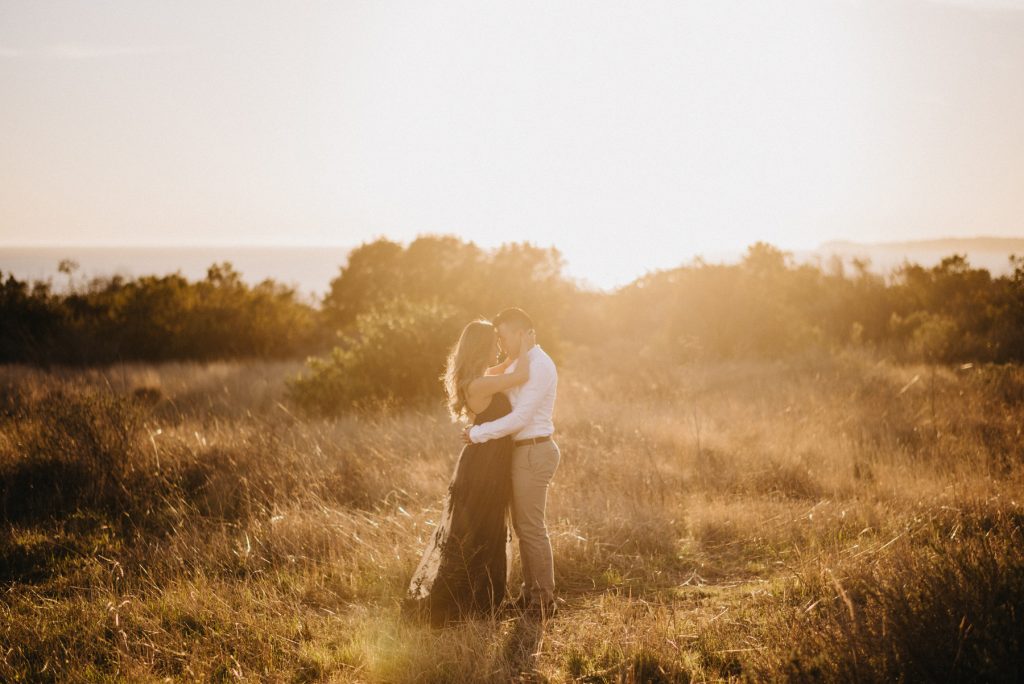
(502, 474)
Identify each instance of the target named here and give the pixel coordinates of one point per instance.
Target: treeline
(160, 318)
(765, 306)
(154, 319)
(392, 303)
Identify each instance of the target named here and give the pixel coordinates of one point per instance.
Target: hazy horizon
(310, 268)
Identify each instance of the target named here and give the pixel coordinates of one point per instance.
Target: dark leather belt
(531, 440)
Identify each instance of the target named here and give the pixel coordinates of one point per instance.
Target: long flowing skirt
(465, 566)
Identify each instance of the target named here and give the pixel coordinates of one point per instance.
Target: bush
(758, 308)
(473, 281)
(392, 355)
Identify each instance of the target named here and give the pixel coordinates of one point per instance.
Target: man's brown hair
(514, 316)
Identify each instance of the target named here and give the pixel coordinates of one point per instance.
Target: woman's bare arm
(498, 369)
(486, 385)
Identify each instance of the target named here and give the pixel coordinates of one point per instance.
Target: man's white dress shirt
(533, 403)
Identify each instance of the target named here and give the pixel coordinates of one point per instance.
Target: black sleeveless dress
(465, 566)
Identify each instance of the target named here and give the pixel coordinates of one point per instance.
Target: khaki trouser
(533, 466)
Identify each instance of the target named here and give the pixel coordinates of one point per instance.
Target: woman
(464, 569)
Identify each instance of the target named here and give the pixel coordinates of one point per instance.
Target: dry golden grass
(821, 518)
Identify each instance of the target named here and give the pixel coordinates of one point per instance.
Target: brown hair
(467, 361)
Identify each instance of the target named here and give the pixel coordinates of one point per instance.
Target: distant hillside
(991, 253)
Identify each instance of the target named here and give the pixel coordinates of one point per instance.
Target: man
(534, 458)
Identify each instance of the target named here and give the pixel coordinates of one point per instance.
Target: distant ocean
(309, 269)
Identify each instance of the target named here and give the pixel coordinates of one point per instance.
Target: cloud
(74, 51)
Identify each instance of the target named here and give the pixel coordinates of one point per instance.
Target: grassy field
(822, 518)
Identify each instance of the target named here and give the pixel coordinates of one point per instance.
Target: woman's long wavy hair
(468, 360)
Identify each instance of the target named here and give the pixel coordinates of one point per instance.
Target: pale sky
(631, 135)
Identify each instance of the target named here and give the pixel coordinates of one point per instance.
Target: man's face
(510, 339)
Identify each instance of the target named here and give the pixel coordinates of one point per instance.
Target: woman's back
(498, 407)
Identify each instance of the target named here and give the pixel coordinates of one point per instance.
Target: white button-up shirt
(533, 403)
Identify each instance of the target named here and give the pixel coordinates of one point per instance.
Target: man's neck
(519, 355)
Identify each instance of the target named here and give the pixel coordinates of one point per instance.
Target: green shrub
(392, 355)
